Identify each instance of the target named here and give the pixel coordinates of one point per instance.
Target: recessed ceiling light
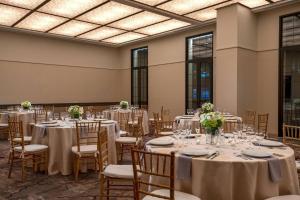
(185, 6)
(151, 2)
(101, 33)
(30, 4)
(69, 8)
(139, 20)
(40, 22)
(10, 15)
(73, 28)
(108, 12)
(253, 3)
(124, 38)
(163, 27)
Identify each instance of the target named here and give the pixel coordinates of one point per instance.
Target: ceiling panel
(73, 28)
(186, 6)
(124, 38)
(40, 22)
(108, 12)
(163, 27)
(101, 33)
(139, 20)
(253, 3)
(151, 2)
(69, 8)
(30, 4)
(10, 15)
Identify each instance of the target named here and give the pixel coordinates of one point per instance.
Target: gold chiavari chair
(155, 123)
(87, 147)
(158, 166)
(262, 124)
(230, 126)
(3, 130)
(40, 115)
(123, 121)
(125, 143)
(165, 114)
(19, 151)
(249, 118)
(113, 177)
(164, 128)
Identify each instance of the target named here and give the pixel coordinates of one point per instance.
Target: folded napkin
(183, 167)
(274, 169)
(42, 131)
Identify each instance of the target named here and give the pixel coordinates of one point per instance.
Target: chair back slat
(103, 150)
(15, 129)
(250, 117)
(123, 119)
(40, 115)
(148, 163)
(230, 126)
(262, 124)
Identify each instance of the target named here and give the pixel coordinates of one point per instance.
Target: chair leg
(23, 168)
(11, 163)
(107, 189)
(121, 147)
(9, 157)
(46, 162)
(102, 185)
(77, 167)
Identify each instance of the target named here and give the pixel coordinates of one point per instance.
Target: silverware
(210, 155)
(215, 155)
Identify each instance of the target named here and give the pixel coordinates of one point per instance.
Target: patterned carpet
(39, 186)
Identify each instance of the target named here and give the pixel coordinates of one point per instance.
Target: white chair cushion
(26, 139)
(285, 197)
(166, 133)
(298, 164)
(133, 122)
(32, 148)
(126, 140)
(123, 133)
(119, 171)
(87, 149)
(3, 125)
(178, 195)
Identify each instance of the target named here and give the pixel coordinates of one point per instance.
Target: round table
(231, 177)
(60, 141)
(27, 117)
(113, 115)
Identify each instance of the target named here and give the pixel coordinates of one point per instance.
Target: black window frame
(139, 103)
(187, 61)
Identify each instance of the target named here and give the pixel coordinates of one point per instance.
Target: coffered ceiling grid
(112, 21)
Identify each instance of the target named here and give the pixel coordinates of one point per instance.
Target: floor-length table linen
(229, 177)
(60, 141)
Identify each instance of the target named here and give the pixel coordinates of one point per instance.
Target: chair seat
(119, 171)
(134, 123)
(178, 195)
(32, 148)
(86, 149)
(126, 140)
(166, 133)
(26, 139)
(285, 197)
(123, 133)
(2, 125)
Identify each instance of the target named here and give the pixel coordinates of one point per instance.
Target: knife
(215, 155)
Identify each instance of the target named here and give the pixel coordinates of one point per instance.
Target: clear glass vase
(212, 137)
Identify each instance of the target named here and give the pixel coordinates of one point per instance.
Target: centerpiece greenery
(211, 122)
(124, 104)
(75, 111)
(26, 105)
(207, 107)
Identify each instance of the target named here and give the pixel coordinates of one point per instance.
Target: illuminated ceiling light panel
(139, 20)
(73, 28)
(69, 8)
(40, 22)
(253, 3)
(124, 38)
(151, 2)
(30, 4)
(101, 33)
(185, 6)
(108, 12)
(163, 27)
(9, 15)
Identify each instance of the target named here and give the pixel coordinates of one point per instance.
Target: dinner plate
(51, 125)
(194, 152)
(100, 119)
(193, 135)
(256, 153)
(107, 122)
(269, 143)
(228, 135)
(163, 141)
(49, 122)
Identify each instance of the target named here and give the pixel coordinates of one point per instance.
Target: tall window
(139, 76)
(289, 71)
(199, 70)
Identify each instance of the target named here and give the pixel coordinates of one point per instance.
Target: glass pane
(291, 31)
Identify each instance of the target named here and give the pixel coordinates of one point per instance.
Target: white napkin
(183, 167)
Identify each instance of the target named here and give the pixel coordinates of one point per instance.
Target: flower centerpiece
(75, 111)
(26, 105)
(211, 122)
(207, 107)
(124, 104)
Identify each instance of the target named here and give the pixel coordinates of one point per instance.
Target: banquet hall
(150, 99)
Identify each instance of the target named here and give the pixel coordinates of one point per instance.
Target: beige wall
(50, 70)
(166, 61)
